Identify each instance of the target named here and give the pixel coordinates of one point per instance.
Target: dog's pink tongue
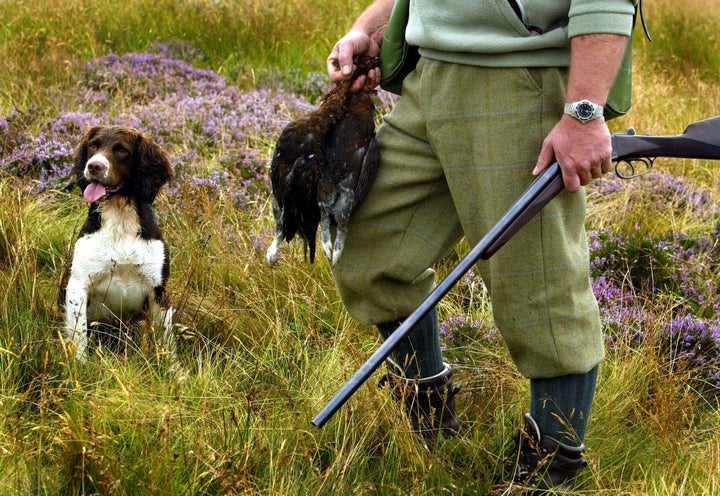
(94, 192)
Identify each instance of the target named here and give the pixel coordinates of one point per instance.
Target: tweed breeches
(457, 150)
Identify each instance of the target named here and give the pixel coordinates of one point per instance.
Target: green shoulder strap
(397, 58)
(620, 97)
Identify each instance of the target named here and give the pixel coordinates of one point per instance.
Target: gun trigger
(628, 168)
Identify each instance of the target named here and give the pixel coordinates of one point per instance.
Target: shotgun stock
(633, 155)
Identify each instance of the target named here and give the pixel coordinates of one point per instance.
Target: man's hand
(363, 39)
(582, 150)
(340, 62)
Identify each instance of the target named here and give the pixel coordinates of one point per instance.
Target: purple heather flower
(694, 345)
(193, 113)
(658, 192)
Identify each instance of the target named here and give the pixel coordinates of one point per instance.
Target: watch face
(585, 110)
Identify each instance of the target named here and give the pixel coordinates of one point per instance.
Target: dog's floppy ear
(154, 169)
(81, 156)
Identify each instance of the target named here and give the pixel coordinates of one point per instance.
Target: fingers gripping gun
(633, 155)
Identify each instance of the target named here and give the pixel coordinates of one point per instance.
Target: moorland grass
(265, 349)
(42, 44)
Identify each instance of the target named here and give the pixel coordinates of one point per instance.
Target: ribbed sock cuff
(419, 355)
(561, 405)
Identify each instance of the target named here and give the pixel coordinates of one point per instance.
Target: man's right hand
(340, 62)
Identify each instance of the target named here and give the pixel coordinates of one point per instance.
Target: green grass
(267, 348)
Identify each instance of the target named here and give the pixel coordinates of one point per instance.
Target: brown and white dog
(120, 262)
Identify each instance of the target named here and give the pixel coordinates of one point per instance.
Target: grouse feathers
(322, 168)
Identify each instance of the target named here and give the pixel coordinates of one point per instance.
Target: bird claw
(339, 244)
(332, 255)
(272, 253)
(326, 236)
(327, 249)
(332, 250)
(336, 257)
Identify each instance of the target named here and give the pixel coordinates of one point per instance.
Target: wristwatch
(584, 110)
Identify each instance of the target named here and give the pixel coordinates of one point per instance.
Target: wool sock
(419, 354)
(561, 405)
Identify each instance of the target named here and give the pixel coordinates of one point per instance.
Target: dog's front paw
(76, 344)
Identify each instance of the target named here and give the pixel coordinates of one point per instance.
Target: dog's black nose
(95, 168)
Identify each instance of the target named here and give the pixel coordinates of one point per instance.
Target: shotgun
(633, 155)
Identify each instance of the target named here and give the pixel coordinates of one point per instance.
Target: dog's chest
(121, 268)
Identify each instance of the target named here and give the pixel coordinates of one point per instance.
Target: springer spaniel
(120, 262)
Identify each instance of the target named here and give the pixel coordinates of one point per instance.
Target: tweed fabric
(457, 149)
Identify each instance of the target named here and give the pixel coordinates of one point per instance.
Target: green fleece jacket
(511, 33)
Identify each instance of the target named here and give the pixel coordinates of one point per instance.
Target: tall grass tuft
(685, 40)
(264, 349)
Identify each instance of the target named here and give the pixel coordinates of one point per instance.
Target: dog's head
(120, 160)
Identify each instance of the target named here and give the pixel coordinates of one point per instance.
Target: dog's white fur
(112, 274)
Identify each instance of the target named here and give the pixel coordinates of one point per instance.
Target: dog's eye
(121, 151)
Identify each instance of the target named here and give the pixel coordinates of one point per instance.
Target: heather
(266, 348)
(184, 108)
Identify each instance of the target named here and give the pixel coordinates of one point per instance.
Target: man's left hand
(583, 151)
